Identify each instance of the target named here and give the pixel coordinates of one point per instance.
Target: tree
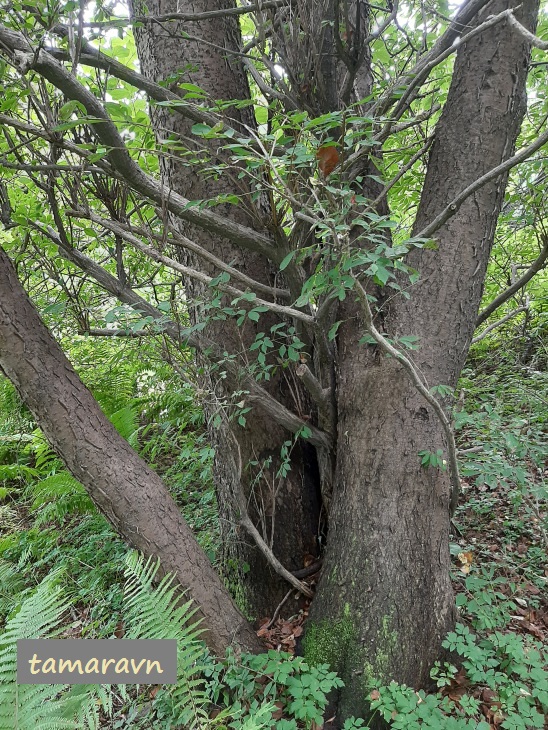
(263, 184)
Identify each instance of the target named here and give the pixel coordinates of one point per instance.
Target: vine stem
(421, 388)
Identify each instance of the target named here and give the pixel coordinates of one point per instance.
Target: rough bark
(130, 495)
(385, 602)
(287, 513)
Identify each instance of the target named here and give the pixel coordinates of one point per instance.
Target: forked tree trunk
(385, 602)
(129, 494)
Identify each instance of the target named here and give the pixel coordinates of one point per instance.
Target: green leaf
(200, 129)
(333, 331)
(286, 261)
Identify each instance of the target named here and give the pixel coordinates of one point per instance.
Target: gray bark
(286, 513)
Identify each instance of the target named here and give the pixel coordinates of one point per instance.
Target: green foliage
(153, 613)
(278, 678)
(513, 668)
(26, 706)
(59, 495)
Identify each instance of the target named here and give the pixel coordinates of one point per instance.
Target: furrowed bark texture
(130, 495)
(287, 513)
(384, 603)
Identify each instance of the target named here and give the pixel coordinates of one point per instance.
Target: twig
(535, 267)
(118, 154)
(256, 394)
(498, 323)
(424, 66)
(529, 37)
(279, 607)
(188, 17)
(208, 280)
(104, 332)
(466, 13)
(455, 204)
(400, 174)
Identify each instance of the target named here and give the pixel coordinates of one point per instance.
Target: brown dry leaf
(533, 629)
(279, 713)
(375, 695)
(465, 559)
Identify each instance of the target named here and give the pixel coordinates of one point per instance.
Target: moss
(325, 642)
(379, 668)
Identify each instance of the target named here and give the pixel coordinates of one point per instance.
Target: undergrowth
(56, 549)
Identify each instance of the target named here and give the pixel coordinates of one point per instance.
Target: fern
(36, 706)
(11, 584)
(31, 706)
(126, 422)
(59, 494)
(154, 613)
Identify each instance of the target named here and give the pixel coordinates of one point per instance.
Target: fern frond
(62, 493)
(155, 613)
(37, 706)
(16, 471)
(29, 706)
(126, 422)
(11, 584)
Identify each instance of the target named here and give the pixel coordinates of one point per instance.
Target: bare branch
(456, 203)
(536, 266)
(321, 396)
(466, 13)
(188, 17)
(498, 323)
(104, 332)
(529, 37)
(256, 394)
(265, 549)
(401, 172)
(183, 242)
(421, 388)
(204, 278)
(246, 522)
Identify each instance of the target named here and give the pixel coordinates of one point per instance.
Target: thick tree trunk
(287, 511)
(130, 495)
(385, 602)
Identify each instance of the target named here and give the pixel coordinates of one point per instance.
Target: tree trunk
(385, 601)
(129, 494)
(286, 512)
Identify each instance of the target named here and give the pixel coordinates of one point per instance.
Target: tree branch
(535, 267)
(42, 62)
(455, 204)
(529, 37)
(256, 394)
(498, 323)
(466, 13)
(188, 17)
(182, 241)
(204, 278)
(322, 397)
